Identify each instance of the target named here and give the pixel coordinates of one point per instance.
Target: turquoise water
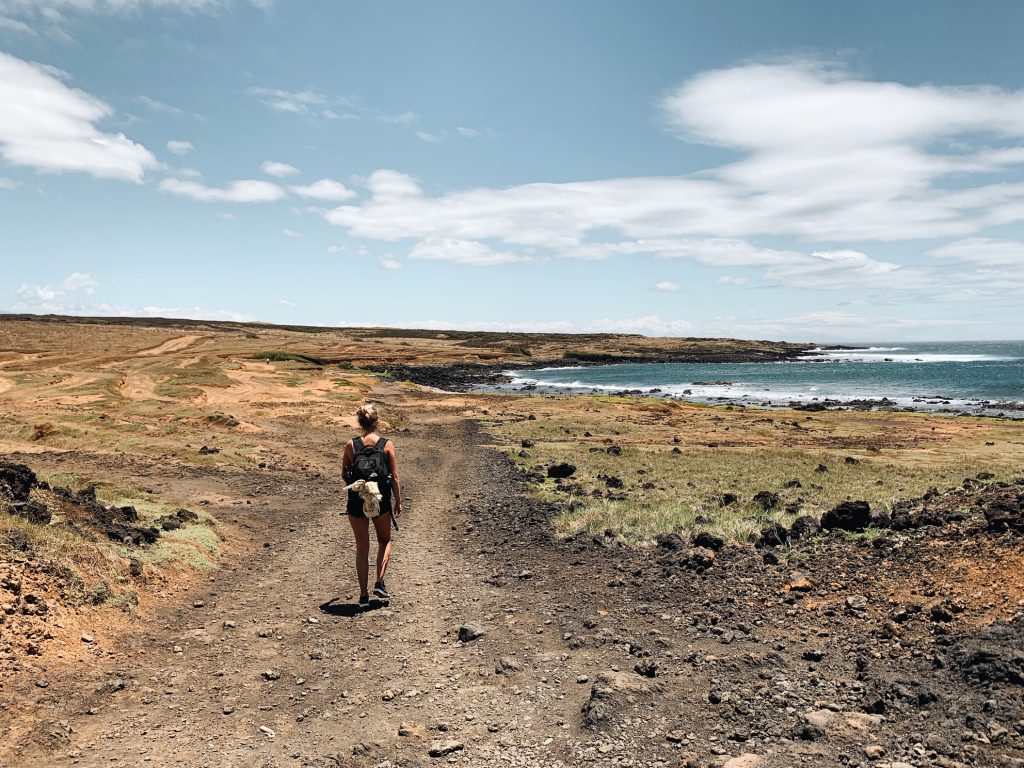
(931, 376)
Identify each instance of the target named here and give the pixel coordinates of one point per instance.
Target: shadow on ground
(349, 610)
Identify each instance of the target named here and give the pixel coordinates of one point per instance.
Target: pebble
(268, 731)
(445, 748)
(471, 630)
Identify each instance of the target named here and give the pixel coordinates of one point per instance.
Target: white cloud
(469, 133)
(431, 138)
(188, 313)
(46, 125)
(464, 252)
(179, 147)
(244, 191)
(280, 170)
(13, 25)
(391, 264)
(983, 250)
(6, 183)
(732, 280)
(651, 325)
(667, 286)
(288, 304)
(50, 298)
(403, 118)
(72, 296)
(296, 102)
(291, 233)
(825, 326)
(324, 189)
(156, 105)
(226, 216)
(823, 157)
(51, 18)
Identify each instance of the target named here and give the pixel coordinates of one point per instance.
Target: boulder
(804, 527)
(17, 479)
(708, 541)
(561, 469)
(766, 500)
(772, 535)
(847, 516)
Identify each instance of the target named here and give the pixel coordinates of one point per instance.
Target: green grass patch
(184, 383)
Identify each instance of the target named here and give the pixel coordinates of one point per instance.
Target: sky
(782, 170)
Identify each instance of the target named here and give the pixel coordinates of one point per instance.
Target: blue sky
(795, 170)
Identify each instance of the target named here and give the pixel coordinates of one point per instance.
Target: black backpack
(369, 462)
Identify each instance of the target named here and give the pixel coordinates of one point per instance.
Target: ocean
(971, 377)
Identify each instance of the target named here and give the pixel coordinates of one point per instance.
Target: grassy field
(670, 465)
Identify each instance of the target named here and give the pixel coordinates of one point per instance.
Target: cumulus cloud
(49, 126)
(324, 189)
(74, 296)
(244, 191)
(279, 170)
(390, 264)
(53, 298)
(464, 252)
(667, 286)
(179, 147)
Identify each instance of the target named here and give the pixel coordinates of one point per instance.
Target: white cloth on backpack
(369, 492)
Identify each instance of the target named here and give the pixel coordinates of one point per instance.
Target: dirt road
(278, 668)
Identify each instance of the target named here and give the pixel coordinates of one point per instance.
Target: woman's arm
(346, 460)
(396, 490)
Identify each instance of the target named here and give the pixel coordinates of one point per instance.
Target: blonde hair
(367, 415)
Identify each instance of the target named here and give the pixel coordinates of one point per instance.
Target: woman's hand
(398, 509)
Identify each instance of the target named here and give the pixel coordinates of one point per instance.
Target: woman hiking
(371, 458)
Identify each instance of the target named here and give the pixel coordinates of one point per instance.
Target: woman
(367, 416)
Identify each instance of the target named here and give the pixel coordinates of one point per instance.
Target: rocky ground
(505, 647)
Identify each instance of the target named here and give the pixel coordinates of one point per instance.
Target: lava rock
(17, 479)
(708, 541)
(847, 516)
(766, 500)
(561, 470)
(804, 527)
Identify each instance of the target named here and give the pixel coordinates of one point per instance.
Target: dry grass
(741, 452)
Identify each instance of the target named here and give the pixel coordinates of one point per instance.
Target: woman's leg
(382, 524)
(361, 529)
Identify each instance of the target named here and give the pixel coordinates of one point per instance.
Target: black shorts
(354, 507)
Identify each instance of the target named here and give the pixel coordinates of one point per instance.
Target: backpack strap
(357, 444)
(381, 442)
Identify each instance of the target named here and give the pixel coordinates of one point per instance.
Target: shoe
(379, 590)
(364, 601)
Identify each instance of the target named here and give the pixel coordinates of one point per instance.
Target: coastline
(501, 379)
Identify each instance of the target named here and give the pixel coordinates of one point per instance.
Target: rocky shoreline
(466, 377)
